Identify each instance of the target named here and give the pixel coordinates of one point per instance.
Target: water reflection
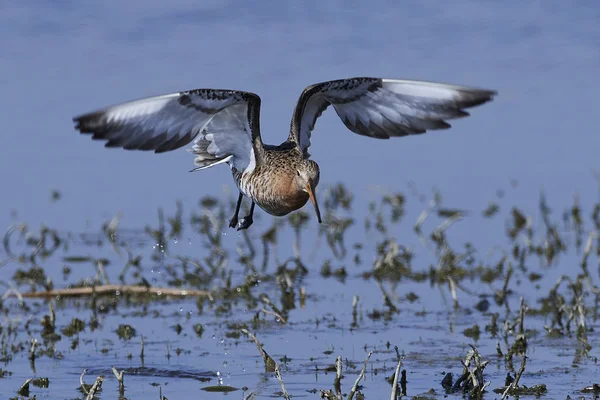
(323, 304)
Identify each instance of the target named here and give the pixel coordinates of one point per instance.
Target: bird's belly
(282, 205)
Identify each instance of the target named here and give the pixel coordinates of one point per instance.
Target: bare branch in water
(286, 396)
(118, 290)
(95, 387)
(269, 362)
(360, 376)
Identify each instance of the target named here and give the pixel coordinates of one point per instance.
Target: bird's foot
(233, 222)
(245, 222)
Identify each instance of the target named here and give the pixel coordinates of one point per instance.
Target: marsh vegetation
(409, 297)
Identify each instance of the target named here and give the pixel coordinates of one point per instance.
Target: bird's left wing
(382, 108)
(224, 123)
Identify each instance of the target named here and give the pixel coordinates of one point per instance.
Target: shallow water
(426, 326)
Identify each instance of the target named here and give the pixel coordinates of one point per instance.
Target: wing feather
(383, 108)
(224, 124)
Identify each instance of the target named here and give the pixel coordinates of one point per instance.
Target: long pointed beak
(311, 193)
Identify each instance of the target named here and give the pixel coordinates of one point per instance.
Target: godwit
(224, 125)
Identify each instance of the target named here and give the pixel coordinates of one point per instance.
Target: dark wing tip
(476, 97)
(77, 121)
(88, 123)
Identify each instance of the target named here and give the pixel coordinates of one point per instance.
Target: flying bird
(225, 128)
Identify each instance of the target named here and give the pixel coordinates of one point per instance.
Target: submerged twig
(452, 286)
(101, 272)
(471, 381)
(510, 389)
(119, 376)
(337, 382)
(387, 298)
(52, 315)
(360, 376)
(95, 387)
(34, 343)
(81, 383)
(269, 362)
(286, 396)
(24, 389)
(354, 310)
(276, 315)
(395, 384)
(117, 290)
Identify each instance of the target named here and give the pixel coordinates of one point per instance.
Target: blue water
(63, 59)
(60, 59)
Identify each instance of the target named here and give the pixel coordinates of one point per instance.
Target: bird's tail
(204, 159)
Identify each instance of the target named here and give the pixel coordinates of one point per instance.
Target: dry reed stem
(395, 385)
(119, 376)
(510, 389)
(270, 364)
(276, 315)
(81, 383)
(95, 387)
(286, 396)
(337, 382)
(118, 289)
(24, 389)
(360, 376)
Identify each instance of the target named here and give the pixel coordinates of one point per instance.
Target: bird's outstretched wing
(224, 124)
(382, 108)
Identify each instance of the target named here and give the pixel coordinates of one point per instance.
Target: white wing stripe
(384, 108)
(167, 122)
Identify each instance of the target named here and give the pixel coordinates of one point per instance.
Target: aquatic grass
(267, 276)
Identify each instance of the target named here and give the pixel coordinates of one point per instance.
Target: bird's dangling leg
(234, 221)
(247, 220)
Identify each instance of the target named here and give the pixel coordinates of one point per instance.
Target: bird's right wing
(225, 124)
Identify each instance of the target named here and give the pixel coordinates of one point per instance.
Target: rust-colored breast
(281, 196)
(273, 184)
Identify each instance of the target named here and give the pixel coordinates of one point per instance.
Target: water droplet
(180, 309)
(175, 240)
(224, 233)
(189, 240)
(214, 337)
(224, 364)
(222, 341)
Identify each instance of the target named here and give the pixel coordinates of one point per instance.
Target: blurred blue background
(63, 58)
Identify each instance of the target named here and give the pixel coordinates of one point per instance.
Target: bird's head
(307, 180)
